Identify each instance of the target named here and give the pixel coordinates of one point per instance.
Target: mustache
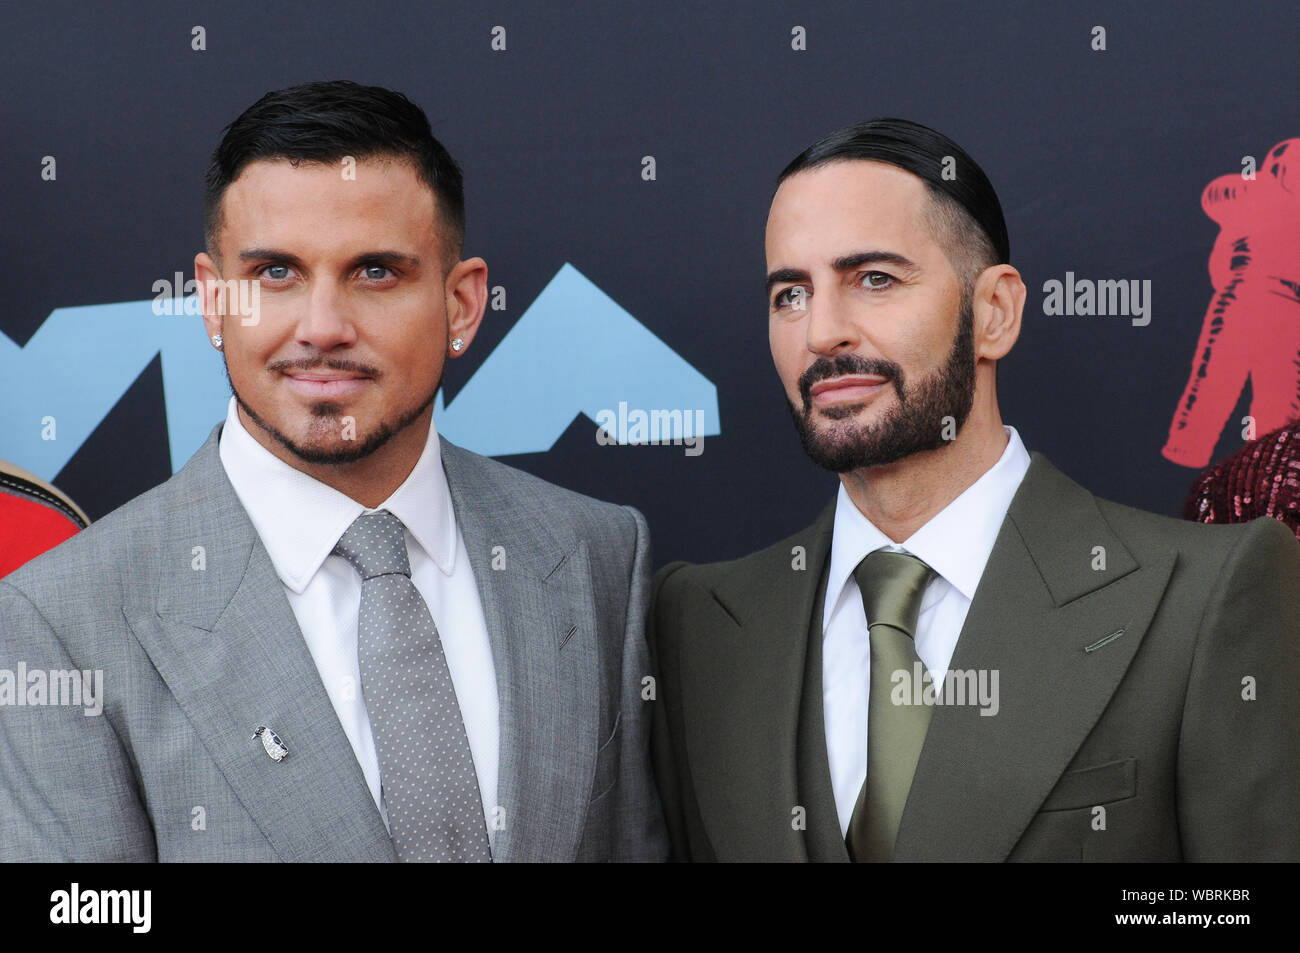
(842, 364)
(334, 364)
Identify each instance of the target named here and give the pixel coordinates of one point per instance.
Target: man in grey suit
(334, 635)
(968, 656)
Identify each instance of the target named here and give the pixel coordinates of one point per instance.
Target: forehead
(845, 204)
(274, 200)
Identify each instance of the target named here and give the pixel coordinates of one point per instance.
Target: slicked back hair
(963, 213)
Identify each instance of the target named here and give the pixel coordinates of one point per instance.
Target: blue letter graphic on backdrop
(82, 360)
(573, 351)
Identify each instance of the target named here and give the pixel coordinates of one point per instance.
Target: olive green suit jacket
(1149, 709)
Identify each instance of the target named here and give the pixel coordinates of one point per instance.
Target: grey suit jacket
(194, 659)
(1149, 700)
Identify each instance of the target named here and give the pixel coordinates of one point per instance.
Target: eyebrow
(411, 262)
(843, 263)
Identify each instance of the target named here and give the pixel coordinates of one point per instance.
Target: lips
(848, 389)
(325, 385)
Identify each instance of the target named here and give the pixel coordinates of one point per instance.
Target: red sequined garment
(1261, 479)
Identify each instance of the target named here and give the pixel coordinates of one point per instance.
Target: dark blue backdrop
(1099, 158)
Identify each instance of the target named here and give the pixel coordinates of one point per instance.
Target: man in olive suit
(968, 656)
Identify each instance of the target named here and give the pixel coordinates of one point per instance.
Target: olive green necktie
(892, 585)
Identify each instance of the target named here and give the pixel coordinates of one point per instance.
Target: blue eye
(376, 272)
(792, 297)
(274, 272)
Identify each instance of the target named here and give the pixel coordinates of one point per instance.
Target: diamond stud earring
(458, 344)
(216, 340)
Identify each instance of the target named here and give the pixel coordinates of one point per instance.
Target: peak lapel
(229, 648)
(540, 613)
(1060, 635)
(742, 674)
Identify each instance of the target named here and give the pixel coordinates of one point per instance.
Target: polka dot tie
(435, 812)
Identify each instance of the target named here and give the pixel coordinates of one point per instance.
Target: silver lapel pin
(271, 742)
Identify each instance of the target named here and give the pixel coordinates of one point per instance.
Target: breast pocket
(607, 762)
(1093, 787)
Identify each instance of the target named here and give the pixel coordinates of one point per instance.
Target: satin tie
(892, 585)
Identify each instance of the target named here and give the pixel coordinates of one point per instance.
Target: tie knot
(375, 544)
(892, 585)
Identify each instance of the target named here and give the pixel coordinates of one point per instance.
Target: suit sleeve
(1239, 748)
(641, 835)
(671, 777)
(67, 790)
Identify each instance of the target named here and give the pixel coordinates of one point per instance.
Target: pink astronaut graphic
(1251, 329)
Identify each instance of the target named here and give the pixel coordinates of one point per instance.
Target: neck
(370, 480)
(901, 497)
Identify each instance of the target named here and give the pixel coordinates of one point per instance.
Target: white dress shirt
(300, 520)
(956, 544)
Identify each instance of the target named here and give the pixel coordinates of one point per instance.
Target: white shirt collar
(955, 543)
(300, 519)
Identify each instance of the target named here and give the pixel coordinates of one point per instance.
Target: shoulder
(1202, 549)
(1261, 479)
(498, 487)
(765, 567)
(1200, 543)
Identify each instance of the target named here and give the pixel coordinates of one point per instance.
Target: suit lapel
(743, 667)
(223, 637)
(1060, 634)
(540, 614)
(824, 839)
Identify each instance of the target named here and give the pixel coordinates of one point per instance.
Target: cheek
(933, 352)
(249, 348)
(918, 341)
(421, 354)
(433, 363)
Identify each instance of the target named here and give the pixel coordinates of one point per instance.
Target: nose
(327, 322)
(830, 327)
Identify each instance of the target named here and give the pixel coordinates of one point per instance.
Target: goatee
(328, 418)
(927, 416)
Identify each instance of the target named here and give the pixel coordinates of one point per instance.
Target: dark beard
(914, 425)
(385, 432)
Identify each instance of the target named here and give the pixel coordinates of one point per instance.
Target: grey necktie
(435, 812)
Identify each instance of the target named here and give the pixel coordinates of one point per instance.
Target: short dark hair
(323, 122)
(964, 212)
